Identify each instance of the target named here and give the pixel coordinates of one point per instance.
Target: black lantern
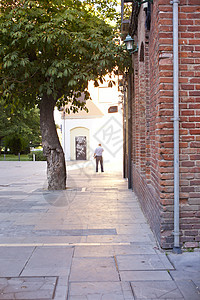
(129, 42)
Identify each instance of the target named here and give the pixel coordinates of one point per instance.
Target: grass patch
(12, 157)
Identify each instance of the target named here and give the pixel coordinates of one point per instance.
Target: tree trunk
(56, 168)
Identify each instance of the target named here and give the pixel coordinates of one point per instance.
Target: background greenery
(19, 128)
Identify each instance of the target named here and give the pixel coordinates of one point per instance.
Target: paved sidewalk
(91, 241)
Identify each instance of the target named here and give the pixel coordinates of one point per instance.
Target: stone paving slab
(197, 283)
(55, 240)
(16, 253)
(134, 248)
(156, 290)
(164, 258)
(30, 231)
(144, 275)
(97, 291)
(27, 288)
(187, 273)
(42, 240)
(13, 260)
(94, 251)
(187, 266)
(112, 250)
(143, 262)
(61, 288)
(189, 289)
(127, 290)
(93, 269)
(49, 261)
(11, 268)
(126, 238)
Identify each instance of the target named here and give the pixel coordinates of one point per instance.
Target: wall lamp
(129, 42)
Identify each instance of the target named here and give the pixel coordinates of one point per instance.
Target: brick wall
(189, 40)
(153, 125)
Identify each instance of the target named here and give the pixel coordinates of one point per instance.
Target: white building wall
(107, 130)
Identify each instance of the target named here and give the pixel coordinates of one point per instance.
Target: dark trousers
(99, 159)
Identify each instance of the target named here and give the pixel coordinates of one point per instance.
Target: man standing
(98, 155)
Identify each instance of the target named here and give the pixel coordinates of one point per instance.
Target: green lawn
(11, 157)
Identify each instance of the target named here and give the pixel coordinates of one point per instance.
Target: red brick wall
(189, 40)
(153, 125)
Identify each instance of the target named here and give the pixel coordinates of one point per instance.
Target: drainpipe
(124, 142)
(122, 13)
(176, 247)
(129, 132)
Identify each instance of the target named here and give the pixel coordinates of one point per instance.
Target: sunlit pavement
(90, 241)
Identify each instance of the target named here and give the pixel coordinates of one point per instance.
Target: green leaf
(72, 83)
(66, 73)
(7, 64)
(13, 56)
(26, 75)
(60, 75)
(49, 40)
(49, 91)
(4, 30)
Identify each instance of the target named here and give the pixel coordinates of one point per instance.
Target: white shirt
(98, 151)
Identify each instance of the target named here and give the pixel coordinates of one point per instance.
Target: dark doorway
(80, 147)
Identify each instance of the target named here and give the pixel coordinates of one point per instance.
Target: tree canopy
(55, 48)
(49, 50)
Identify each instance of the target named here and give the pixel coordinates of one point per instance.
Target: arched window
(142, 52)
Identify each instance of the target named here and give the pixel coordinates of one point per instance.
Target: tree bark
(52, 149)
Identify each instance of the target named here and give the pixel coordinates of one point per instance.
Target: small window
(113, 109)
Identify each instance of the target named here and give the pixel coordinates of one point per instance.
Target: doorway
(81, 147)
(79, 143)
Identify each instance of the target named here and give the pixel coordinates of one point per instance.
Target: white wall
(107, 130)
